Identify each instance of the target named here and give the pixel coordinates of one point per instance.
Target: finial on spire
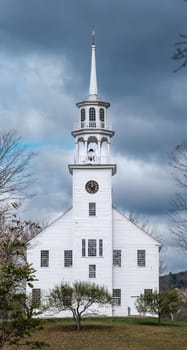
(93, 36)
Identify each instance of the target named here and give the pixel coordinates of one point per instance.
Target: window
(83, 247)
(92, 251)
(92, 271)
(116, 257)
(100, 247)
(92, 209)
(92, 114)
(148, 291)
(116, 297)
(141, 257)
(83, 115)
(92, 247)
(102, 114)
(67, 258)
(44, 258)
(36, 297)
(148, 295)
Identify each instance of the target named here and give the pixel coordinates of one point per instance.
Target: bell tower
(92, 172)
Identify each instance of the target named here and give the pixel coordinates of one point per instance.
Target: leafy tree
(18, 316)
(173, 302)
(159, 303)
(78, 298)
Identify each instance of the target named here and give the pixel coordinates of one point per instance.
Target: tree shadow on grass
(154, 322)
(68, 325)
(66, 328)
(84, 328)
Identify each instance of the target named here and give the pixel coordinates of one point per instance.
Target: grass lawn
(114, 334)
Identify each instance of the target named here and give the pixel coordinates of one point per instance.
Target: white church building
(93, 241)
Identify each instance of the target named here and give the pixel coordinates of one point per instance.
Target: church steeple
(93, 133)
(93, 74)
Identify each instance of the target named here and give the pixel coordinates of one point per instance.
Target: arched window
(102, 117)
(102, 114)
(83, 115)
(92, 114)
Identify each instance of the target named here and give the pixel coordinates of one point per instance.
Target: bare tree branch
(178, 210)
(15, 167)
(181, 51)
(15, 232)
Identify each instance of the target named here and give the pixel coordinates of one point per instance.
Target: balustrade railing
(93, 125)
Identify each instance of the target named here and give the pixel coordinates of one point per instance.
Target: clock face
(91, 186)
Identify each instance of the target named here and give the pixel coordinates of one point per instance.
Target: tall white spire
(93, 75)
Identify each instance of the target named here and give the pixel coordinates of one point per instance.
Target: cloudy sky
(44, 71)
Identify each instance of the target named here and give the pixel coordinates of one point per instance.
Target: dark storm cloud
(135, 41)
(134, 47)
(152, 125)
(128, 31)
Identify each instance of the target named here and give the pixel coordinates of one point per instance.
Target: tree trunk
(78, 320)
(3, 344)
(159, 317)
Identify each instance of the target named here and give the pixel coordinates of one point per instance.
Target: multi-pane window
(141, 257)
(36, 297)
(92, 114)
(67, 258)
(44, 258)
(148, 291)
(148, 295)
(92, 271)
(83, 117)
(116, 297)
(92, 209)
(101, 114)
(83, 114)
(83, 247)
(92, 247)
(100, 247)
(116, 257)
